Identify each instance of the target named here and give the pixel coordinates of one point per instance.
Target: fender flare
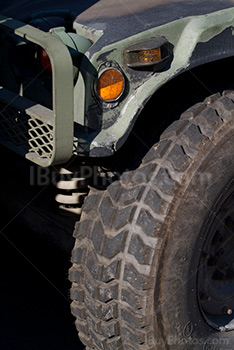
(199, 42)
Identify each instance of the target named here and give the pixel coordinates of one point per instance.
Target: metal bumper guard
(42, 135)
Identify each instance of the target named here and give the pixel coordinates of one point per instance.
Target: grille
(25, 133)
(13, 126)
(40, 138)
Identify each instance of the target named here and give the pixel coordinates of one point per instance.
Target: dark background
(21, 9)
(34, 287)
(34, 293)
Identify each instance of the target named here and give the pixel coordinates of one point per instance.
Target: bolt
(227, 311)
(222, 329)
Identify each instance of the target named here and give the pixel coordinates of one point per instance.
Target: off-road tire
(140, 244)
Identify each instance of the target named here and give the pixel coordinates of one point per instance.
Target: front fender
(196, 40)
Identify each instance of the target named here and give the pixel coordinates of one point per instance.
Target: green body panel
(79, 122)
(116, 123)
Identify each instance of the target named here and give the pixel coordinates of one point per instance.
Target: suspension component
(73, 188)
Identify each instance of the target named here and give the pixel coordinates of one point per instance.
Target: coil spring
(73, 189)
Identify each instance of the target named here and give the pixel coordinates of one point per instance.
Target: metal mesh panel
(24, 132)
(40, 138)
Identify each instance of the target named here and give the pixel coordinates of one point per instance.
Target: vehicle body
(100, 88)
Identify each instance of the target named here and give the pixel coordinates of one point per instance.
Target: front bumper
(42, 135)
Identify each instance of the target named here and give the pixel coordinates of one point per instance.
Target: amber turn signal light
(148, 53)
(110, 85)
(149, 56)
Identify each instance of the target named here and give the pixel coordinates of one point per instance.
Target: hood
(136, 15)
(118, 19)
(122, 18)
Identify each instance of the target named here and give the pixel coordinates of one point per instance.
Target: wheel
(153, 262)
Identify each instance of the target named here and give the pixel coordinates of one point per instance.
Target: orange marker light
(110, 85)
(149, 56)
(44, 60)
(154, 53)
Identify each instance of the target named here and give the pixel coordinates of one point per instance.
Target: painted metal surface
(196, 35)
(189, 36)
(123, 18)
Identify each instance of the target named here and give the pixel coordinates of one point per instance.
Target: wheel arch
(196, 41)
(195, 85)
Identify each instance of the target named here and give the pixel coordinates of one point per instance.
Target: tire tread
(120, 236)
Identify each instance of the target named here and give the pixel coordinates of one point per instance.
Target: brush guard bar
(42, 135)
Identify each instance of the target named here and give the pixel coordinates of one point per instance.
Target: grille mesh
(40, 138)
(26, 133)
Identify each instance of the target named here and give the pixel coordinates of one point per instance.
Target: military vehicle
(128, 106)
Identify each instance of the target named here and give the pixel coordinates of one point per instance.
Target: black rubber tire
(139, 243)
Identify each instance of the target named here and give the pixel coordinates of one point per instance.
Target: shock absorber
(73, 185)
(73, 188)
